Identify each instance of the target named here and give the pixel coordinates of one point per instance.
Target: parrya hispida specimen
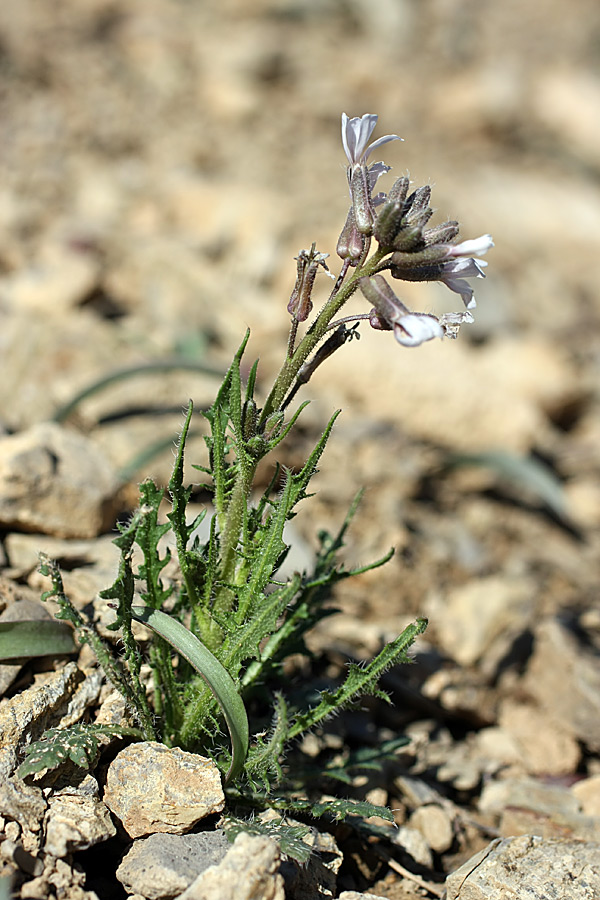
(229, 615)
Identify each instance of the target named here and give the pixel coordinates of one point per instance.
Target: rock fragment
(76, 819)
(435, 825)
(55, 481)
(161, 866)
(152, 788)
(563, 676)
(529, 868)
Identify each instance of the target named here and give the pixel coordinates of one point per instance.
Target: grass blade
(214, 674)
(29, 639)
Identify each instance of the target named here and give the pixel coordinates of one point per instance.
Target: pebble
(475, 614)
(435, 825)
(59, 702)
(415, 844)
(587, 792)
(152, 788)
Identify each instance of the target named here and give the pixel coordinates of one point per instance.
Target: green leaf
(79, 744)
(30, 639)
(214, 674)
(360, 680)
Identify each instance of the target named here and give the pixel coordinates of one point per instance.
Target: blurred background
(162, 163)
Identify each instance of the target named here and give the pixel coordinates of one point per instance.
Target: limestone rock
(529, 868)
(55, 481)
(163, 865)
(152, 788)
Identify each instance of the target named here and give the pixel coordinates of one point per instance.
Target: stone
(415, 844)
(163, 865)
(76, 819)
(542, 745)
(563, 676)
(249, 870)
(152, 788)
(55, 481)
(475, 614)
(435, 825)
(529, 868)
(527, 793)
(587, 792)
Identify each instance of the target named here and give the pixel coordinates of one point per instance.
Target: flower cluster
(410, 250)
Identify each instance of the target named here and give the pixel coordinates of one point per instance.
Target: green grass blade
(214, 674)
(29, 639)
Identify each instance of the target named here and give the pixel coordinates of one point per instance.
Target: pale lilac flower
(416, 328)
(475, 247)
(454, 274)
(355, 138)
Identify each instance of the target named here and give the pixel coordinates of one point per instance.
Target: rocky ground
(162, 163)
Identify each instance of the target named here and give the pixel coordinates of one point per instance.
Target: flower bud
(249, 419)
(441, 234)
(388, 222)
(300, 303)
(399, 189)
(351, 243)
(360, 191)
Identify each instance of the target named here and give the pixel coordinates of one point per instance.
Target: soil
(163, 163)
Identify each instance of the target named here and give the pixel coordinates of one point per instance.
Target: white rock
(152, 788)
(528, 868)
(55, 481)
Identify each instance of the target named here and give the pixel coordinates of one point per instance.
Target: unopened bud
(351, 243)
(388, 222)
(409, 237)
(387, 306)
(300, 303)
(417, 203)
(441, 234)
(360, 191)
(249, 419)
(399, 189)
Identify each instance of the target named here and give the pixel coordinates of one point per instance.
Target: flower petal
(475, 247)
(416, 328)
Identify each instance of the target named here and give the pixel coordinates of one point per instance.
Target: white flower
(416, 328)
(475, 247)
(455, 272)
(355, 138)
